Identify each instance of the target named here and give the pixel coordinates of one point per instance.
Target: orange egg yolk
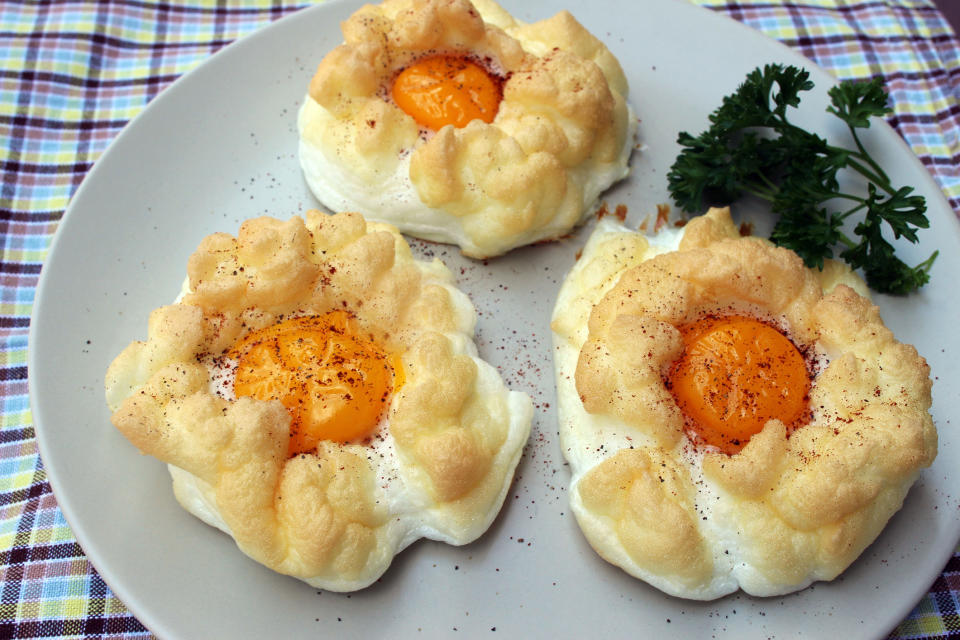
(334, 382)
(735, 374)
(442, 90)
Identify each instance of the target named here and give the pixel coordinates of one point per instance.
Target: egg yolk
(441, 90)
(334, 382)
(735, 374)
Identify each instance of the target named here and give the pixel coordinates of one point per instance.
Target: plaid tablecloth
(72, 73)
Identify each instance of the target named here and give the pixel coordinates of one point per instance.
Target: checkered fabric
(72, 73)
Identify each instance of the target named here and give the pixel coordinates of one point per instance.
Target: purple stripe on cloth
(102, 40)
(56, 80)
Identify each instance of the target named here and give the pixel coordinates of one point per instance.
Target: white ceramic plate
(218, 147)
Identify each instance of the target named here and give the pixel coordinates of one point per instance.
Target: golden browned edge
(563, 110)
(803, 507)
(313, 516)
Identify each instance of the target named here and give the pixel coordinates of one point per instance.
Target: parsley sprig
(751, 147)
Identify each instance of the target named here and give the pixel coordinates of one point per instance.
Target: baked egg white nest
(436, 464)
(783, 512)
(562, 135)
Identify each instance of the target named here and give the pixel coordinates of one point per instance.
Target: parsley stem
(881, 181)
(761, 189)
(849, 196)
(874, 174)
(771, 185)
(928, 263)
(847, 242)
(869, 159)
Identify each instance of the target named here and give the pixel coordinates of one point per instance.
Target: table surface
(72, 74)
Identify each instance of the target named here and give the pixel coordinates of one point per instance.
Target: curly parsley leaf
(856, 102)
(752, 147)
